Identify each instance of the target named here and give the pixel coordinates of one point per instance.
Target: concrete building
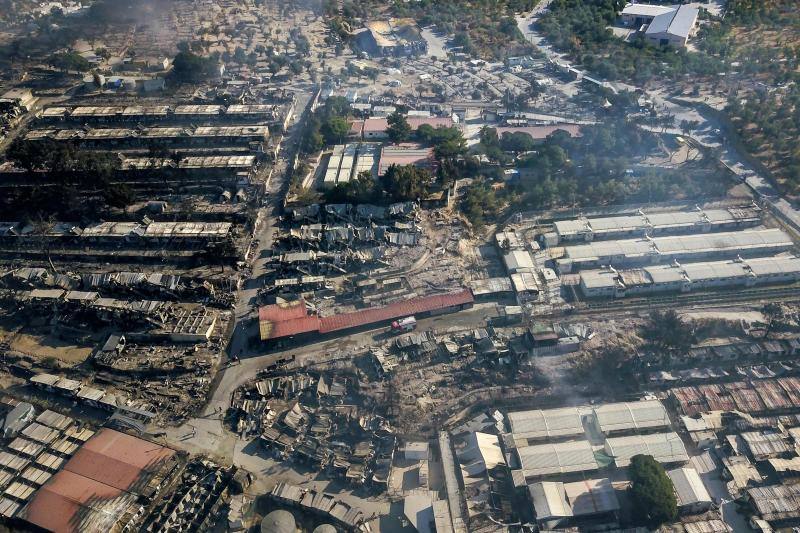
(677, 277)
(655, 250)
(637, 15)
(663, 25)
(518, 261)
(584, 229)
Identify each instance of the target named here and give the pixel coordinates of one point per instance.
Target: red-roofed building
(434, 122)
(288, 325)
(406, 154)
(100, 485)
(439, 303)
(290, 315)
(356, 130)
(375, 128)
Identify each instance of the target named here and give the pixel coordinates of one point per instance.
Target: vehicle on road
(404, 325)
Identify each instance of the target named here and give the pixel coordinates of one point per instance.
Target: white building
(677, 277)
(655, 250)
(672, 29)
(691, 493)
(666, 448)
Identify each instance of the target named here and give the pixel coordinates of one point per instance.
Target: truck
(404, 325)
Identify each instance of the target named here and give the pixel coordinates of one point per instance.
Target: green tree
(399, 129)
(406, 182)
(517, 142)
(361, 190)
(69, 61)
(192, 68)
(335, 130)
(652, 493)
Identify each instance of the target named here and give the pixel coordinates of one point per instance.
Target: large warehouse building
(676, 277)
(571, 440)
(653, 224)
(568, 457)
(651, 251)
(666, 448)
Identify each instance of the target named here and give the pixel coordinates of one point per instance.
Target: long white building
(656, 250)
(676, 277)
(584, 229)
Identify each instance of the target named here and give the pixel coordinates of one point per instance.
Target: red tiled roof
(71, 503)
(406, 154)
(281, 312)
(287, 328)
(118, 460)
(276, 329)
(356, 126)
(436, 122)
(97, 485)
(376, 125)
(394, 310)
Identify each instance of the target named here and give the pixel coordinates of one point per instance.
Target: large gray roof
(678, 22)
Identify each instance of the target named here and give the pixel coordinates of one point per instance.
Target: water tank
(279, 521)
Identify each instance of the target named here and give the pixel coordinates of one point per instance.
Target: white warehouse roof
(669, 247)
(664, 447)
(517, 260)
(549, 500)
(646, 414)
(540, 423)
(561, 458)
(646, 10)
(582, 498)
(688, 486)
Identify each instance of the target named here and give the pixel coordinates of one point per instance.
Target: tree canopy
(69, 61)
(192, 68)
(399, 130)
(407, 182)
(652, 493)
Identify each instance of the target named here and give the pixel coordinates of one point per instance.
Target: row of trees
(593, 169)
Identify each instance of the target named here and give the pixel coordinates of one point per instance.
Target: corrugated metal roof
(631, 415)
(276, 321)
(395, 310)
(549, 500)
(664, 447)
(546, 423)
(591, 496)
(689, 487)
(561, 458)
